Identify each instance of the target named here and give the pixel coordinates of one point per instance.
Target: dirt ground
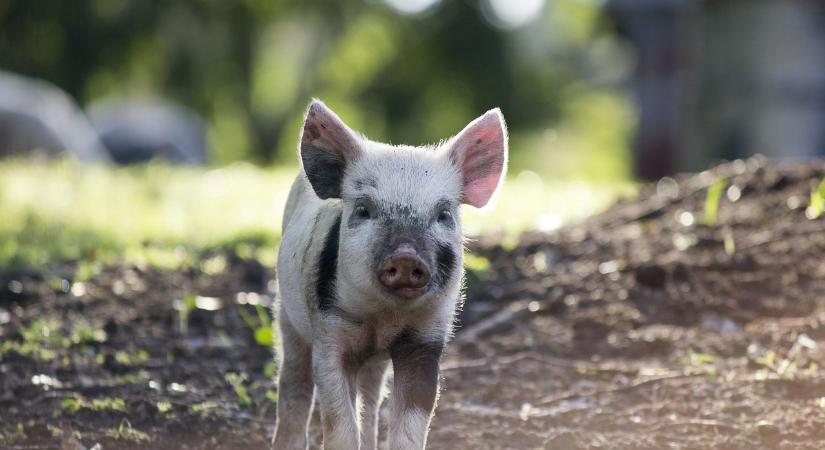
(639, 328)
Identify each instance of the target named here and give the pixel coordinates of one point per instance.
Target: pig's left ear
(327, 145)
(480, 153)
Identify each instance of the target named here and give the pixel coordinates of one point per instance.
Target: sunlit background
(152, 130)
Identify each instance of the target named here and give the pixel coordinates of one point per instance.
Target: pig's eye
(445, 216)
(362, 212)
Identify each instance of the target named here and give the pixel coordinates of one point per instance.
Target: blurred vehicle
(139, 131)
(36, 116)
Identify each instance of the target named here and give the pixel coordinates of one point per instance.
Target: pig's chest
(377, 337)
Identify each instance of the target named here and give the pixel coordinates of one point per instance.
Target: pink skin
(324, 129)
(479, 150)
(405, 273)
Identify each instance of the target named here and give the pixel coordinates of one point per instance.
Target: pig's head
(400, 235)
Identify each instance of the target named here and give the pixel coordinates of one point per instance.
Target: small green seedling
(261, 325)
(76, 403)
(702, 361)
(270, 369)
(817, 203)
(236, 381)
(127, 433)
(11, 436)
(164, 406)
(712, 202)
(185, 307)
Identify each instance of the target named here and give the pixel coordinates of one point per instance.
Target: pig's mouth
(411, 293)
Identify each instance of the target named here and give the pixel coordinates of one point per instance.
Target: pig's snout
(405, 272)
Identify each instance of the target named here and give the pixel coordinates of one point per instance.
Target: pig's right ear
(327, 145)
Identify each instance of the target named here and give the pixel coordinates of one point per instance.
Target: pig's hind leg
(295, 390)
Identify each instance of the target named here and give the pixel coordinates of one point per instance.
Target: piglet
(370, 273)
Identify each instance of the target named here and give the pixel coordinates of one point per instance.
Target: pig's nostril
(404, 272)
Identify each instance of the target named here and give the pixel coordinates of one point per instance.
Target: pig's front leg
(415, 388)
(370, 385)
(335, 380)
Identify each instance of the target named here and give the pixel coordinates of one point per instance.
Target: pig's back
(297, 190)
(306, 223)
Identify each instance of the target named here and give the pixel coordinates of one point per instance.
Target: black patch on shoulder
(445, 259)
(327, 267)
(325, 171)
(415, 366)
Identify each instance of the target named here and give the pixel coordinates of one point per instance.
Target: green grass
(153, 214)
(74, 404)
(165, 216)
(817, 203)
(43, 338)
(125, 432)
(712, 199)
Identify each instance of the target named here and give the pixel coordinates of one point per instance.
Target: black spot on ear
(324, 169)
(445, 259)
(415, 367)
(327, 268)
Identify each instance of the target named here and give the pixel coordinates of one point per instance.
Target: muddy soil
(640, 328)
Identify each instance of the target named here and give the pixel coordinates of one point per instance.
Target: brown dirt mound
(638, 328)
(642, 329)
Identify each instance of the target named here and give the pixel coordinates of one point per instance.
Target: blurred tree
(250, 66)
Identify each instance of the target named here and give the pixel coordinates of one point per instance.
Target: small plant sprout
(184, 307)
(704, 362)
(730, 243)
(236, 381)
(164, 406)
(270, 369)
(76, 403)
(125, 432)
(817, 204)
(261, 325)
(712, 202)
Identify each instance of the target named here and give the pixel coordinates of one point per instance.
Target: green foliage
(261, 325)
(125, 432)
(164, 406)
(9, 436)
(270, 369)
(163, 216)
(249, 67)
(185, 307)
(703, 362)
(237, 382)
(76, 403)
(817, 202)
(43, 338)
(153, 215)
(712, 200)
(131, 359)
